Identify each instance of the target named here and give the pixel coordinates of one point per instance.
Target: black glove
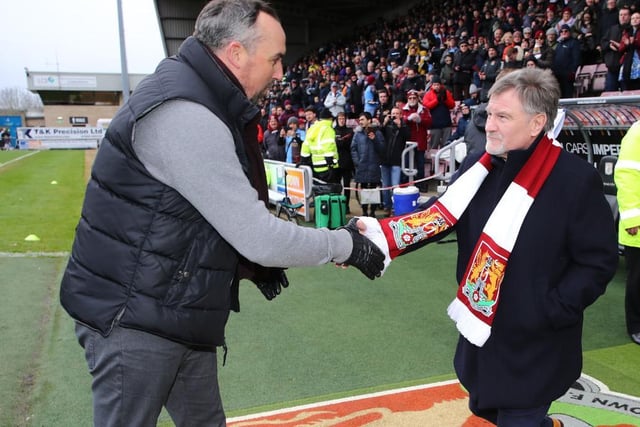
(270, 281)
(365, 256)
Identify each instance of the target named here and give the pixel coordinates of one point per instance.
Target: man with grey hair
(536, 246)
(157, 259)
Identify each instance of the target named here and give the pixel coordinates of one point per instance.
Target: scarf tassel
(473, 329)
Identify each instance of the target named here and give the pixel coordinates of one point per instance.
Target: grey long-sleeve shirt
(187, 147)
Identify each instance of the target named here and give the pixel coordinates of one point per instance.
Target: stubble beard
(261, 94)
(495, 146)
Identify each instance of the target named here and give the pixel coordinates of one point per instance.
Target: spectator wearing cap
(566, 61)
(463, 121)
(440, 102)
(335, 100)
(474, 96)
(463, 63)
(418, 119)
(370, 96)
(293, 140)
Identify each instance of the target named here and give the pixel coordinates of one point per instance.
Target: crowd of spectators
(463, 44)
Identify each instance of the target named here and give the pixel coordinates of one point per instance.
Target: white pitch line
(19, 158)
(33, 254)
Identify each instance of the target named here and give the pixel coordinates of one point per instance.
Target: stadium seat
(584, 76)
(599, 77)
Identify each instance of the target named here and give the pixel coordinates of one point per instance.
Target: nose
(277, 72)
(490, 124)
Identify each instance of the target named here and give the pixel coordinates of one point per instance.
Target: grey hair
(537, 89)
(222, 21)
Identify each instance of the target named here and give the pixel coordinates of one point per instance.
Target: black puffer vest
(143, 256)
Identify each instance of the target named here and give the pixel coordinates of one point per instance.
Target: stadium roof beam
(307, 22)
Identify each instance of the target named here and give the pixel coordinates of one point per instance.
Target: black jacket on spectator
(395, 140)
(611, 57)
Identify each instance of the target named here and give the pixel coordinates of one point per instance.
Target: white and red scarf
(475, 305)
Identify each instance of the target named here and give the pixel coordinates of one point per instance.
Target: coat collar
(218, 77)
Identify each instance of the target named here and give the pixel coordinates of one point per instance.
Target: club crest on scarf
(411, 229)
(483, 279)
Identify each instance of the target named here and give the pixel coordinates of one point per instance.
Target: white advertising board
(60, 137)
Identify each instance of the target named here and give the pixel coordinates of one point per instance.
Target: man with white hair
(536, 246)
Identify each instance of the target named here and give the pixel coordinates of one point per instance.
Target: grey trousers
(136, 373)
(439, 137)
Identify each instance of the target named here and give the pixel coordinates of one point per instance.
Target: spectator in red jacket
(418, 119)
(440, 102)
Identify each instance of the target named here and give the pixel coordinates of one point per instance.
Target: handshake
(366, 256)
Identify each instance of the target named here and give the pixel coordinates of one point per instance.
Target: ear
(537, 123)
(235, 54)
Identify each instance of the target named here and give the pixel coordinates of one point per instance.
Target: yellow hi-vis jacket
(319, 145)
(627, 178)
